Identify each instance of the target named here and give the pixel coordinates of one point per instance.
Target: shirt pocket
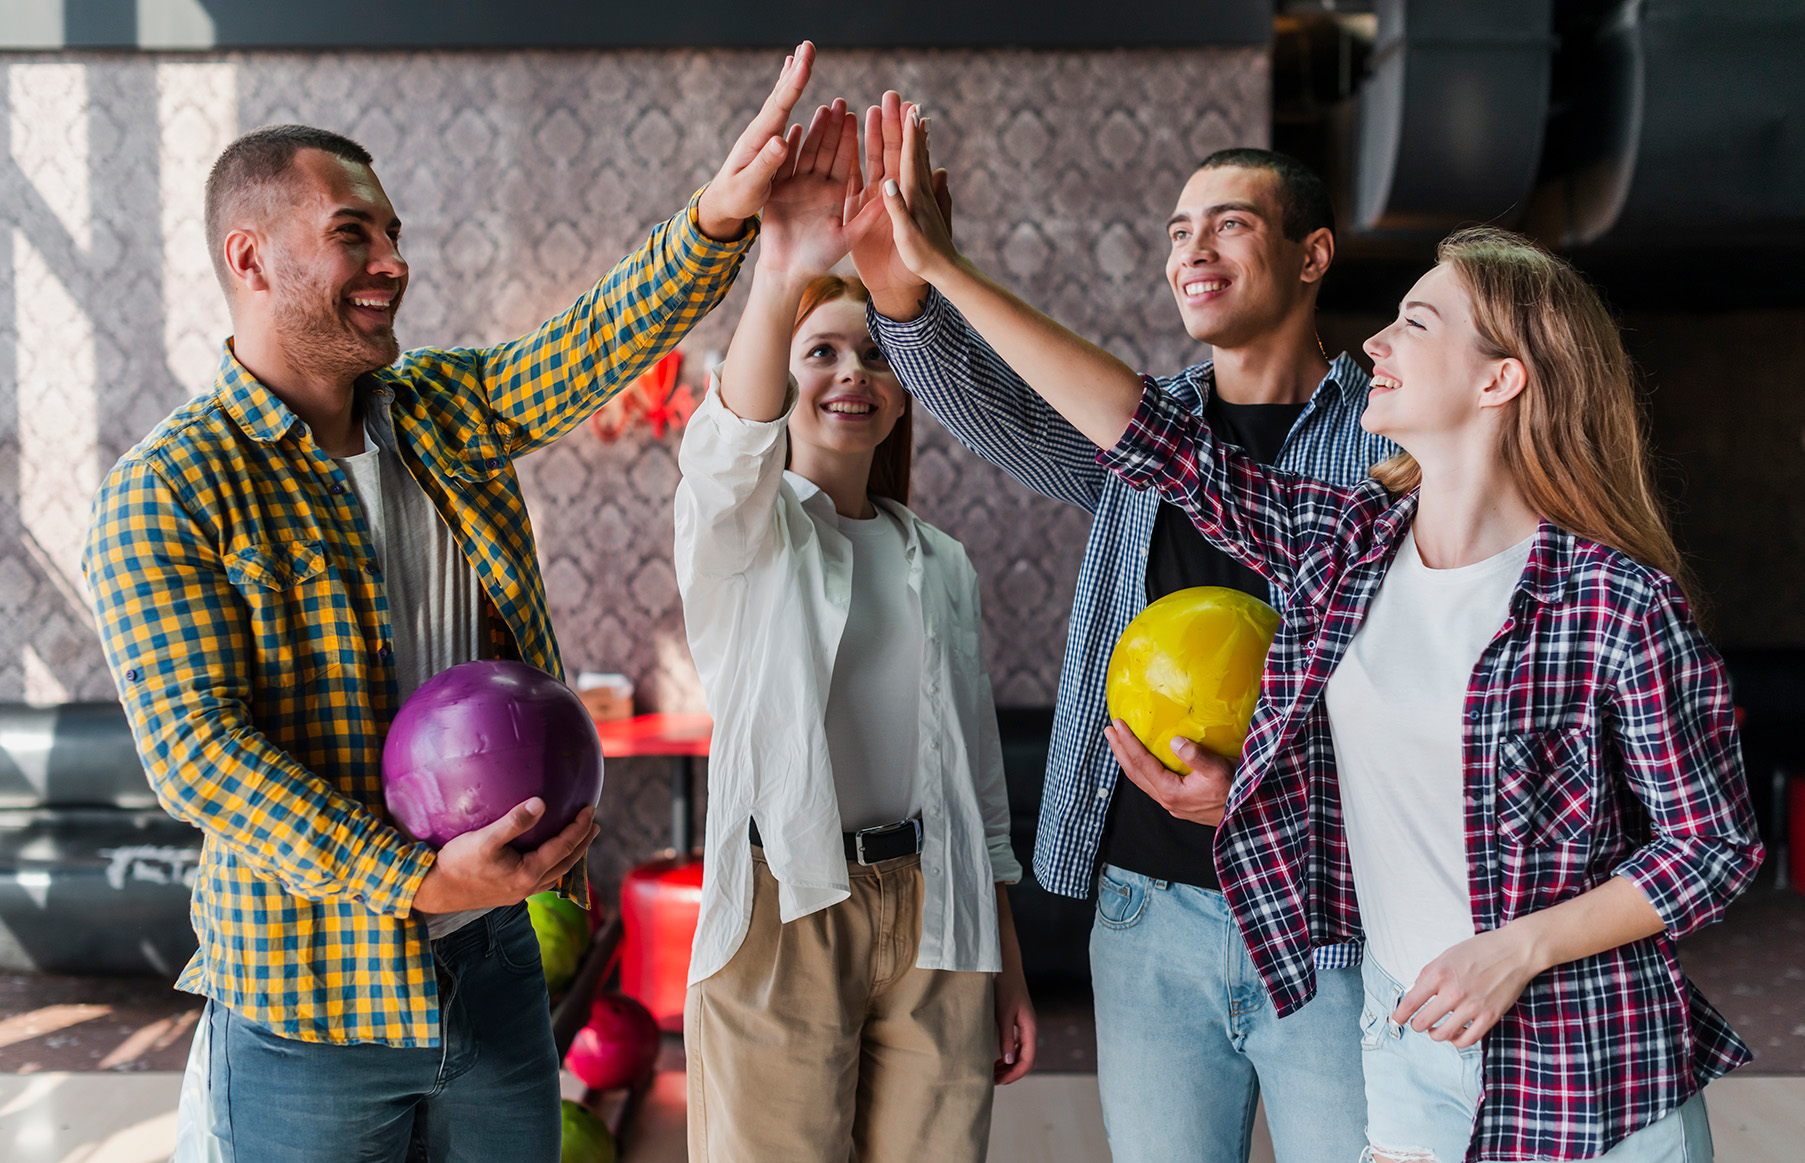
(1547, 788)
(303, 630)
(481, 460)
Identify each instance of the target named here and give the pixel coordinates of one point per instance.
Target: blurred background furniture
(94, 875)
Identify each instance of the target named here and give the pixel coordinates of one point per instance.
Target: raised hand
(896, 290)
(921, 232)
(804, 230)
(740, 188)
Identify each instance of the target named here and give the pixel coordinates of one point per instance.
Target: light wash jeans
(488, 1091)
(1422, 1095)
(1187, 1040)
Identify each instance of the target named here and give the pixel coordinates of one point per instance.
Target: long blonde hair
(891, 459)
(1574, 438)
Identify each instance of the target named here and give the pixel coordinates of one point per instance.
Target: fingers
(1201, 761)
(518, 819)
(844, 162)
(562, 849)
(817, 130)
(1018, 1036)
(556, 875)
(912, 157)
(893, 136)
(762, 170)
(874, 145)
(791, 81)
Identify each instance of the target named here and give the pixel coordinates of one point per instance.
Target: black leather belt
(874, 845)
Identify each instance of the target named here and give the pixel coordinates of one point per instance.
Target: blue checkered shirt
(949, 368)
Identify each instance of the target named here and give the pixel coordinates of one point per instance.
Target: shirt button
(385, 654)
(336, 489)
(131, 675)
(370, 568)
(491, 463)
(1473, 716)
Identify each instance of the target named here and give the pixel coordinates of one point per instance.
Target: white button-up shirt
(766, 579)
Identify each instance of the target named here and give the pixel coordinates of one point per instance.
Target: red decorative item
(617, 1048)
(659, 904)
(655, 398)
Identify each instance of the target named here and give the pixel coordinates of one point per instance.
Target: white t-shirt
(873, 706)
(1395, 705)
(435, 599)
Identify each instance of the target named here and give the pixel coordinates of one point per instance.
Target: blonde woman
(856, 989)
(1491, 735)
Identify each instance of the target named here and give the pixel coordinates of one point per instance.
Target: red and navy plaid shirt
(1598, 741)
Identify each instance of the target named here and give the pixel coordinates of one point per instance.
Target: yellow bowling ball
(1189, 667)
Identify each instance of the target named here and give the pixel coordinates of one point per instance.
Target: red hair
(890, 461)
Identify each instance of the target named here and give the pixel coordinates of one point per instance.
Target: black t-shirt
(1140, 835)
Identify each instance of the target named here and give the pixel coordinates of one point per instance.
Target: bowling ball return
(644, 949)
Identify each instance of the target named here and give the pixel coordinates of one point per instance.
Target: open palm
(873, 241)
(803, 226)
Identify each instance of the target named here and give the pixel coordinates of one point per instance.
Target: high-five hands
(740, 188)
(921, 232)
(805, 228)
(1200, 797)
(895, 290)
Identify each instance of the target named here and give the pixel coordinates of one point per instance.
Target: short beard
(308, 318)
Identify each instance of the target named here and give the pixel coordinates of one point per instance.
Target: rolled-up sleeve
(1676, 728)
(727, 500)
(178, 644)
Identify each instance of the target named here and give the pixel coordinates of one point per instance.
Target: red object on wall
(659, 903)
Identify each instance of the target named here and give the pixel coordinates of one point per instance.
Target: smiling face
(1430, 376)
(849, 399)
(1234, 273)
(336, 275)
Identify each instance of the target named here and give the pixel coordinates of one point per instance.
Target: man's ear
(1319, 252)
(1509, 378)
(245, 259)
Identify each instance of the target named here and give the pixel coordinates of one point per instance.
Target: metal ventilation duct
(1682, 119)
(1450, 120)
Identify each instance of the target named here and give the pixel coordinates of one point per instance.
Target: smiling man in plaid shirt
(274, 570)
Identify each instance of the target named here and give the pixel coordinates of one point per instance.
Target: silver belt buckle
(858, 838)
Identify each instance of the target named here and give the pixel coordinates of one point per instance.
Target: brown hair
(245, 177)
(890, 461)
(1574, 438)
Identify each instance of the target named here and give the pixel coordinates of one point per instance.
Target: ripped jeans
(1422, 1095)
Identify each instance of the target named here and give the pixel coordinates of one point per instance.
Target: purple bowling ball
(481, 737)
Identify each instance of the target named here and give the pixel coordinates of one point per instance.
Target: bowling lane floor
(1045, 1118)
(89, 1067)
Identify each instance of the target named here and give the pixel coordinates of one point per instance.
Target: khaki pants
(821, 1041)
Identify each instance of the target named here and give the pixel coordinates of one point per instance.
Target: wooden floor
(1048, 1118)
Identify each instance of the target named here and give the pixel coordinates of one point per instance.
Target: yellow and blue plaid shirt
(245, 621)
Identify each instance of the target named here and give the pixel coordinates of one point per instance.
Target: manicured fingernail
(915, 114)
(1009, 1058)
(891, 188)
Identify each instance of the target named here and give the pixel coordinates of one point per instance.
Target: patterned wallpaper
(521, 177)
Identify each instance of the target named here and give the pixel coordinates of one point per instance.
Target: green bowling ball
(586, 1138)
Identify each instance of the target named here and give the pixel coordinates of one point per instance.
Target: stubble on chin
(308, 318)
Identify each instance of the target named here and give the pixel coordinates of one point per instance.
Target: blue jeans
(1422, 1096)
(488, 1091)
(1187, 1040)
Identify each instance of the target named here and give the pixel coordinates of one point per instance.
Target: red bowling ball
(618, 1046)
(481, 737)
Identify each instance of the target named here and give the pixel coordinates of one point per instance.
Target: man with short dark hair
(278, 566)
(1187, 1037)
